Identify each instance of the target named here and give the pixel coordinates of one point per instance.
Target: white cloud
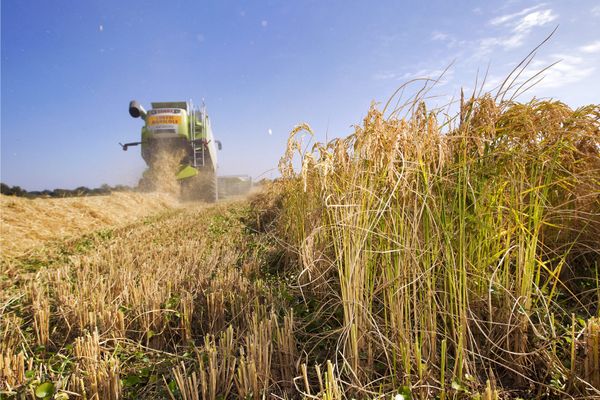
(503, 19)
(439, 36)
(570, 69)
(492, 82)
(593, 47)
(596, 11)
(519, 24)
(431, 74)
(508, 42)
(536, 18)
(420, 74)
(264, 23)
(450, 40)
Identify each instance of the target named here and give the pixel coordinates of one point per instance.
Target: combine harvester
(181, 130)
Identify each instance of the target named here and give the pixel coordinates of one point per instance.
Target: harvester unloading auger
(181, 130)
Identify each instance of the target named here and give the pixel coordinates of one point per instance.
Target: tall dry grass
(27, 224)
(456, 249)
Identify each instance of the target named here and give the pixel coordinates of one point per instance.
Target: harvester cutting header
(178, 129)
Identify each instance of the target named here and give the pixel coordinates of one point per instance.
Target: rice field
(423, 256)
(26, 224)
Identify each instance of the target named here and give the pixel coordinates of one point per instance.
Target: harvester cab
(179, 129)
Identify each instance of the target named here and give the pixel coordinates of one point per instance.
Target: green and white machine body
(179, 127)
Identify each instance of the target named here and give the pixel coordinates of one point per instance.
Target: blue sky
(69, 69)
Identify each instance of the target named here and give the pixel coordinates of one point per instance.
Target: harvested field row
(137, 307)
(26, 224)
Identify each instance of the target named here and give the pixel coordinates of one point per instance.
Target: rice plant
(457, 247)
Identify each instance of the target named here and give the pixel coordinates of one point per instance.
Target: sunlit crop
(457, 252)
(423, 256)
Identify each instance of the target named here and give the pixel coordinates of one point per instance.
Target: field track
(135, 293)
(26, 224)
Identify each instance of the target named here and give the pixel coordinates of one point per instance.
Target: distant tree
(96, 192)
(12, 190)
(60, 193)
(121, 188)
(104, 189)
(81, 191)
(5, 189)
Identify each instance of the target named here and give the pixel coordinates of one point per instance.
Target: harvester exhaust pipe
(136, 110)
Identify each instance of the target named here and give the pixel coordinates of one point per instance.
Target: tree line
(79, 191)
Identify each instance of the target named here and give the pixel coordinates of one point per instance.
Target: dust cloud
(161, 174)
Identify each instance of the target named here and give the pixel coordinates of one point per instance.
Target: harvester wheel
(212, 193)
(202, 187)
